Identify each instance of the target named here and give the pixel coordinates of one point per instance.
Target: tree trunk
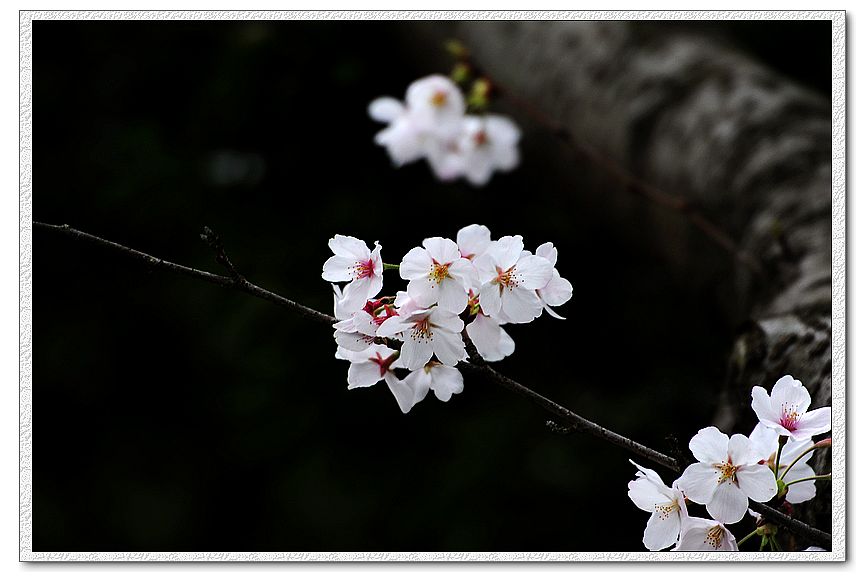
(694, 116)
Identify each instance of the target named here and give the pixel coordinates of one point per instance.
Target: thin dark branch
(229, 282)
(574, 422)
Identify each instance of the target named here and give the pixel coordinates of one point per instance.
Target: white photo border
(839, 218)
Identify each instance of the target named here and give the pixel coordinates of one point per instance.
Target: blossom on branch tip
(786, 410)
(705, 535)
(491, 340)
(666, 504)
(473, 241)
(354, 262)
(728, 472)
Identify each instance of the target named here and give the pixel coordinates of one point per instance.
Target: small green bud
(456, 49)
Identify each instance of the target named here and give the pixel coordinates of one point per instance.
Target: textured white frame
(839, 441)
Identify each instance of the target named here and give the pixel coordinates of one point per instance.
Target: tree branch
(575, 422)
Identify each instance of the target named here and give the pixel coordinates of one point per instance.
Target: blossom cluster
(468, 288)
(770, 462)
(433, 124)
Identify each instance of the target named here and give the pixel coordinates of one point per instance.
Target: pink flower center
(439, 98)
(384, 363)
(481, 138)
(362, 269)
(789, 417)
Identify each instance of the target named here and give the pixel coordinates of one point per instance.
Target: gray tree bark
(694, 116)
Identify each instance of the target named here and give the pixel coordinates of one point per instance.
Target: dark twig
(575, 422)
(214, 242)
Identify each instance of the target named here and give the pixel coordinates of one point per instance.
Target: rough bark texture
(698, 118)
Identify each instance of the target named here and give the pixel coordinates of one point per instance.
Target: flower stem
(825, 477)
(782, 440)
(747, 537)
(389, 266)
(797, 459)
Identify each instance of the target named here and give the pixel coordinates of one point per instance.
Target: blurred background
(170, 415)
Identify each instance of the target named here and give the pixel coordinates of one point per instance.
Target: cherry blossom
(729, 472)
(786, 410)
(765, 443)
(666, 504)
(705, 535)
(427, 332)
(358, 331)
(354, 262)
(444, 381)
(437, 274)
(558, 290)
(509, 280)
(485, 144)
(371, 366)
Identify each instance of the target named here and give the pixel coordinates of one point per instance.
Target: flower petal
(452, 296)
(424, 291)
(698, 482)
(446, 381)
(405, 396)
(473, 240)
(558, 291)
(449, 347)
(645, 494)
(363, 374)
(338, 268)
(385, 109)
(349, 247)
(442, 250)
(789, 392)
(415, 352)
(728, 504)
(490, 299)
(740, 451)
(757, 482)
(812, 423)
(709, 445)
(415, 264)
(446, 320)
(762, 406)
(520, 305)
(419, 381)
(662, 530)
(534, 272)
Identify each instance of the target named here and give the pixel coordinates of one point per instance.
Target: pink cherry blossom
(705, 535)
(444, 381)
(666, 504)
(371, 366)
(437, 274)
(786, 410)
(354, 262)
(558, 290)
(509, 280)
(427, 332)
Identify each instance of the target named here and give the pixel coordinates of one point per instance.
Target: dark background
(170, 415)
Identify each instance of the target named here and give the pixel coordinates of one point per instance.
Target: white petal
(415, 264)
(662, 530)
(355, 342)
(442, 250)
(558, 291)
(520, 305)
(757, 482)
(764, 441)
(473, 240)
(812, 423)
(502, 130)
(506, 251)
(338, 269)
(549, 252)
(449, 347)
(405, 396)
(762, 406)
(464, 272)
(452, 296)
(740, 451)
(534, 272)
(356, 293)
(709, 445)
(349, 247)
(419, 381)
(728, 504)
(645, 494)
(363, 374)
(364, 323)
(793, 449)
(446, 381)
(490, 299)
(424, 291)
(392, 326)
(790, 392)
(486, 336)
(415, 352)
(699, 482)
(804, 491)
(446, 320)
(385, 109)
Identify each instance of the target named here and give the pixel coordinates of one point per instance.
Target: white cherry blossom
(558, 290)
(729, 472)
(444, 381)
(485, 144)
(765, 443)
(786, 410)
(509, 280)
(666, 504)
(705, 535)
(438, 274)
(427, 332)
(358, 331)
(354, 262)
(371, 366)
